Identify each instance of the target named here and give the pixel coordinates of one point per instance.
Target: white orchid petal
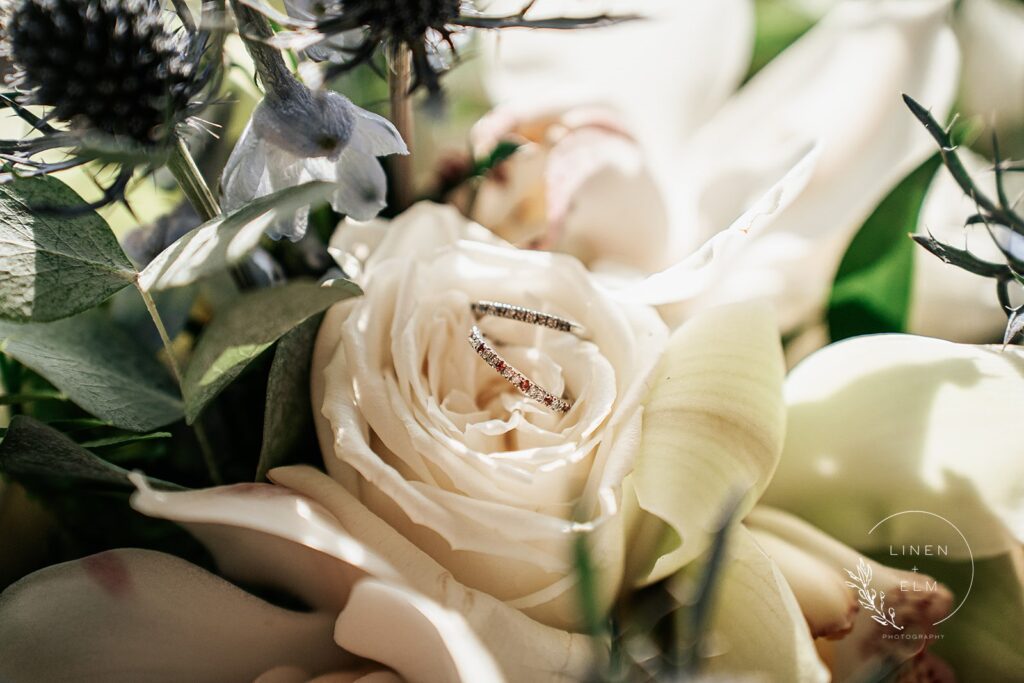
(879, 425)
(138, 615)
(714, 260)
(434, 645)
(713, 425)
(868, 140)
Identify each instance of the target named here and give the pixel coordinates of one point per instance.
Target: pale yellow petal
(884, 424)
(713, 426)
(757, 626)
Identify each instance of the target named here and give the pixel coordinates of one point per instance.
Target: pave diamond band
(526, 315)
(525, 385)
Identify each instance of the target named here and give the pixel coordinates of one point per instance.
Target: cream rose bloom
(431, 439)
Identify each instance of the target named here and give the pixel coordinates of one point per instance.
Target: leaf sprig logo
(868, 596)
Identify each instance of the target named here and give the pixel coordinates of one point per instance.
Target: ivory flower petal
(756, 613)
(378, 615)
(628, 66)
(293, 539)
(713, 426)
(989, 31)
(132, 615)
(867, 139)
(882, 424)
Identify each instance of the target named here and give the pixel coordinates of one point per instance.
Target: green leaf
(54, 266)
(247, 329)
(122, 439)
(288, 415)
(33, 449)
(871, 291)
(225, 240)
(99, 367)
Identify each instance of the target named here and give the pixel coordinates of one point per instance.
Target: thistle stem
(254, 29)
(399, 84)
(191, 181)
(154, 313)
(185, 171)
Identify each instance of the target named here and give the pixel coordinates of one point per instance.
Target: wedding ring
(526, 315)
(526, 386)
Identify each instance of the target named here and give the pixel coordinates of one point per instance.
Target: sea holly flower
(116, 78)
(355, 29)
(297, 134)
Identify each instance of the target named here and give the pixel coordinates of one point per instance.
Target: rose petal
(422, 641)
(713, 426)
(884, 424)
(131, 615)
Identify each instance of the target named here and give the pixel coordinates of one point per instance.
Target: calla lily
(886, 424)
(713, 426)
(149, 609)
(713, 158)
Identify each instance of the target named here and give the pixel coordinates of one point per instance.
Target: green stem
(13, 399)
(207, 450)
(200, 432)
(191, 181)
(154, 313)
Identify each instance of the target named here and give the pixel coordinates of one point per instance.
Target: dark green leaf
(247, 329)
(33, 449)
(502, 151)
(122, 439)
(288, 415)
(225, 240)
(53, 266)
(96, 365)
(871, 291)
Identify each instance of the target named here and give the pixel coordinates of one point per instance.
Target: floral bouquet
(524, 341)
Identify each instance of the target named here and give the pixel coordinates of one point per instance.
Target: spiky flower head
(113, 66)
(355, 29)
